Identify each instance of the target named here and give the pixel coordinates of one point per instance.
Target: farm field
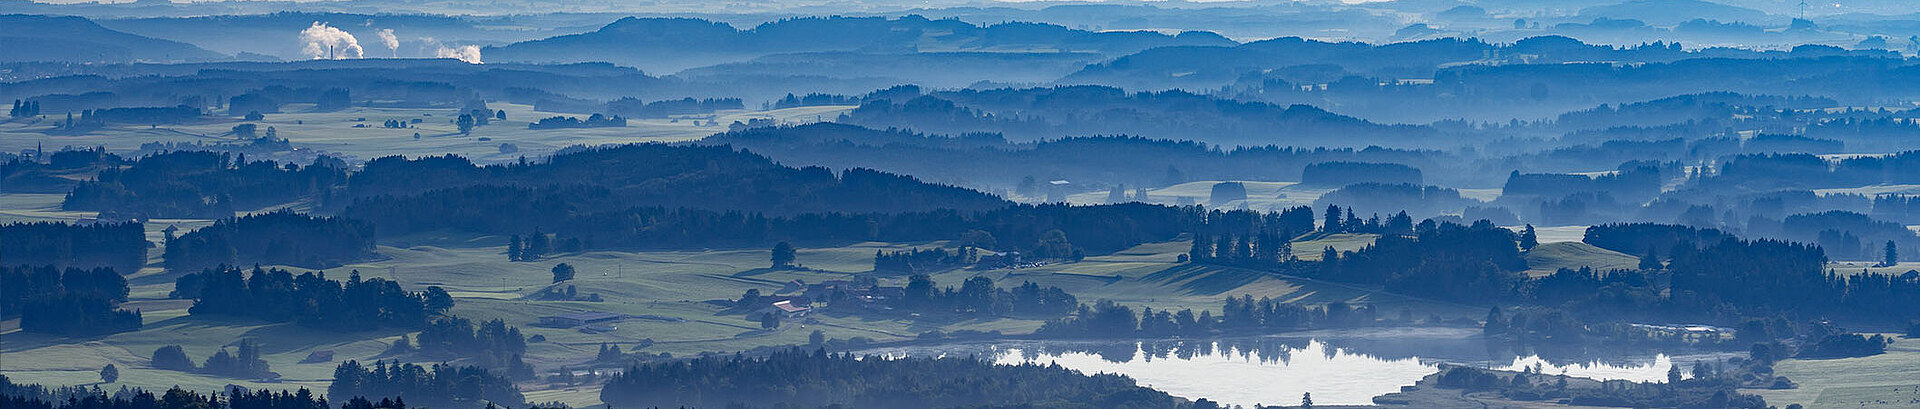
(1552, 256)
(669, 287)
(1855, 267)
(334, 132)
(1890, 380)
(1261, 196)
(1556, 234)
(1311, 250)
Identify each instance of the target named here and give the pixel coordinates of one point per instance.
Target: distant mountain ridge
(1046, 113)
(671, 44)
(1208, 67)
(26, 37)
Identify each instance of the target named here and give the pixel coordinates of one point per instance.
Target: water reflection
(1338, 367)
(1246, 376)
(1654, 370)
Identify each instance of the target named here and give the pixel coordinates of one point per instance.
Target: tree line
(447, 388)
(120, 246)
(1238, 315)
(199, 184)
(279, 237)
(492, 344)
(442, 385)
(310, 299)
(979, 296)
(70, 301)
(795, 378)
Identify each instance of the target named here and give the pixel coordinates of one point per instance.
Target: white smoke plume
(468, 53)
(388, 39)
(325, 42)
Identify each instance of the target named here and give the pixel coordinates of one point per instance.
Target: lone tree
(245, 131)
(1306, 400)
(783, 255)
(465, 122)
(171, 357)
(1892, 255)
(562, 272)
(513, 248)
(770, 321)
(1332, 223)
(109, 373)
(1529, 239)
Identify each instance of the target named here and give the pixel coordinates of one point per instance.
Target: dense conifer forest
(811, 379)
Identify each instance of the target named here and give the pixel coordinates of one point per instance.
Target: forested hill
(1049, 113)
(75, 39)
(703, 177)
(987, 159)
(199, 184)
(654, 43)
(1204, 67)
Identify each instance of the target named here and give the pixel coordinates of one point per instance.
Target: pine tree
(1892, 255)
(1223, 249)
(1529, 239)
(537, 246)
(513, 248)
(1332, 223)
(1201, 248)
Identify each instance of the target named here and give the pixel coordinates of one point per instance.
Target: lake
(1346, 367)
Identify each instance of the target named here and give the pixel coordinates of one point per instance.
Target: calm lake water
(1338, 367)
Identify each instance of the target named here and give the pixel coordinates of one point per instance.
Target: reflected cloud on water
(1346, 367)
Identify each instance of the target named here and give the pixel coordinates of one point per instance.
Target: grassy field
(673, 286)
(1549, 257)
(1558, 234)
(36, 207)
(1263, 196)
(668, 284)
(335, 133)
(1890, 380)
(1311, 250)
(1853, 267)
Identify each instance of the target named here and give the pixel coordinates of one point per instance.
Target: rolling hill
(26, 37)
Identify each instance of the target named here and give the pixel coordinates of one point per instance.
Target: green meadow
(356, 133)
(670, 287)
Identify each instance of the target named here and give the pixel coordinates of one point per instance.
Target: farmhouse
(1001, 260)
(319, 356)
(788, 309)
(867, 295)
(801, 300)
(578, 319)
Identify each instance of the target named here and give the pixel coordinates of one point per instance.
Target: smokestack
(329, 43)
